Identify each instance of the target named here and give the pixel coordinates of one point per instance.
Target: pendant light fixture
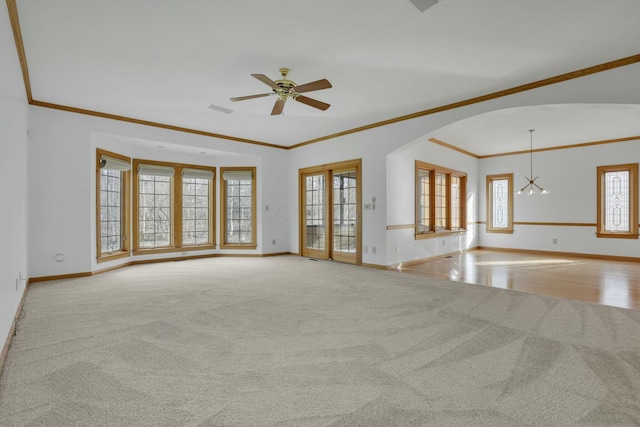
(530, 187)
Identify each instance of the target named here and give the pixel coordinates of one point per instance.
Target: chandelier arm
(523, 188)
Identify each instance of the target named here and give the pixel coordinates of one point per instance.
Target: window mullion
(432, 200)
(176, 228)
(449, 209)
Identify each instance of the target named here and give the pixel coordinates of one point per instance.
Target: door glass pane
(344, 211)
(315, 212)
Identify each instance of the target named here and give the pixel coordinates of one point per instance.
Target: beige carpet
(287, 341)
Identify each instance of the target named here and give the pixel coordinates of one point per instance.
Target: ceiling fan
(286, 89)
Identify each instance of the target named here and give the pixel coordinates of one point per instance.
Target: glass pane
(344, 212)
(154, 213)
(617, 201)
(315, 210)
(424, 217)
(500, 203)
(110, 211)
(195, 211)
(456, 212)
(239, 211)
(441, 202)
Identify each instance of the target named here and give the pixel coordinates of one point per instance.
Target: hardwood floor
(614, 283)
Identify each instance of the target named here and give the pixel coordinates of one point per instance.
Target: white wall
(62, 185)
(570, 174)
(13, 178)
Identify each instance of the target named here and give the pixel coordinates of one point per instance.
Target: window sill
(147, 251)
(617, 235)
(500, 230)
(196, 248)
(111, 257)
(433, 235)
(236, 246)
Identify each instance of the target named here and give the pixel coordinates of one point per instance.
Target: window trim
(632, 168)
(124, 214)
(489, 200)
(176, 209)
(433, 169)
(223, 209)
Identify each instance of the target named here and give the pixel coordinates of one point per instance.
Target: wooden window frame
(490, 179)
(632, 168)
(223, 209)
(431, 232)
(176, 209)
(124, 213)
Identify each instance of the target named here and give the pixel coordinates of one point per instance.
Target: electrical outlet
(373, 250)
(397, 249)
(59, 257)
(555, 240)
(366, 249)
(273, 242)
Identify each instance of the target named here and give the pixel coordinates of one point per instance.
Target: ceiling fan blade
(266, 80)
(242, 98)
(317, 85)
(278, 106)
(312, 102)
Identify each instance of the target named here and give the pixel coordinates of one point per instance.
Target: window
(173, 207)
(155, 200)
(112, 181)
(618, 201)
(440, 200)
(238, 197)
(500, 203)
(196, 202)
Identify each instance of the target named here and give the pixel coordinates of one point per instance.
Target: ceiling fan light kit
(286, 89)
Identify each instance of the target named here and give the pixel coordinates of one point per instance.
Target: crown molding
(150, 123)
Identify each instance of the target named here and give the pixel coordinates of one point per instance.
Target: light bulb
(545, 191)
(530, 193)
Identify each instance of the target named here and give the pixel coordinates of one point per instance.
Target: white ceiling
(167, 61)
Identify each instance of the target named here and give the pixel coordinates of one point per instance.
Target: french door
(330, 207)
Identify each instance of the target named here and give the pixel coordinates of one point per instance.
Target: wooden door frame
(330, 167)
